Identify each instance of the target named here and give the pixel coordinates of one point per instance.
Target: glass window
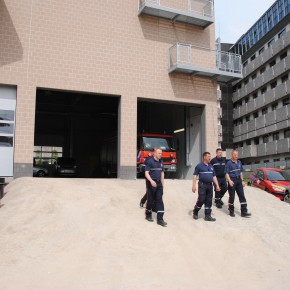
(254, 76)
(6, 128)
(284, 78)
(6, 141)
(273, 84)
(256, 115)
(253, 56)
(6, 115)
(261, 50)
(262, 70)
(247, 100)
(272, 63)
(263, 90)
(274, 106)
(283, 32)
(247, 118)
(265, 138)
(286, 101)
(255, 95)
(246, 81)
(248, 142)
(264, 111)
(287, 133)
(277, 175)
(275, 136)
(256, 141)
(283, 55)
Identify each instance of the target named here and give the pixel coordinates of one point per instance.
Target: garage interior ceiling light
(178, 131)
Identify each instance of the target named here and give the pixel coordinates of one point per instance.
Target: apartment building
(74, 73)
(261, 100)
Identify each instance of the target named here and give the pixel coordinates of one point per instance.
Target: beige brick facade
(99, 47)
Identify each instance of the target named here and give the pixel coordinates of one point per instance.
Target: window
(253, 56)
(254, 76)
(262, 70)
(246, 81)
(247, 118)
(287, 133)
(281, 33)
(261, 50)
(271, 42)
(283, 55)
(247, 100)
(286, 101)
(245, 63)
(273, 62)
(234, 89)
(287, 158)
(263, 90)
(266, 161)
(256, 115)
(46, 154)
(273, 85)
(255, 95)
(276, 159)
(257, 162)
(248, 142)
(241, 144)
(275, 136)
(264, 111)
(265, 138)
(239, 86)
(256, 141)
(240, 121)
(284, 78)
(274, 106)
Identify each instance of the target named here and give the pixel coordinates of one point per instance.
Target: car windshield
(66, 161)
(278, 175)
(149, 143)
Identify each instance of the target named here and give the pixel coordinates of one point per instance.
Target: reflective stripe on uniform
(160, 211)
(243, 203)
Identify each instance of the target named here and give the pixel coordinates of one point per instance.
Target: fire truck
(146, 143)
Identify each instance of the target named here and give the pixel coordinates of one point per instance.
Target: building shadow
(11, 49)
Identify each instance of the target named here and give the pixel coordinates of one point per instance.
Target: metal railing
(201, 7)
(192, 55)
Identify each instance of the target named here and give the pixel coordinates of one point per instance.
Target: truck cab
(146, 143)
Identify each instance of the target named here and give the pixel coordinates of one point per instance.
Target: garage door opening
(183, 122)
(75, 130)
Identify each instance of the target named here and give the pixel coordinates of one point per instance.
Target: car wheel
(287, 197)
(40, 173)
(249, 183)
(267, 190)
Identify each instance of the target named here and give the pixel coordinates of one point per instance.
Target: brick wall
(101, 47)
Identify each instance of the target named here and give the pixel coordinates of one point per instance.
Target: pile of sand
(91, 234)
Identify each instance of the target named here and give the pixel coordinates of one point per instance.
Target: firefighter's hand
(231, 183)
(218, 188)
(244, 184)
(194, 189)
(153, 183)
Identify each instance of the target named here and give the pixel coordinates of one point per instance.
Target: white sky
(234, 17)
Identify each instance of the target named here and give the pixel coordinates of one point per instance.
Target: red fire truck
(146, 143)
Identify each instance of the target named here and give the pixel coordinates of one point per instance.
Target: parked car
(273, 180)
(65, 166)
(39, 171)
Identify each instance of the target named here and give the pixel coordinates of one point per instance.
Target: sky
(234, 17)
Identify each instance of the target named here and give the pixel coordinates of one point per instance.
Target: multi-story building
(261, 100)
(74, 73)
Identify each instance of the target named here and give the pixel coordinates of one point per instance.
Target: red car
(272, 180)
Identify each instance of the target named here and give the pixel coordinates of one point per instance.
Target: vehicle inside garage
(182, 121)
(76, 126)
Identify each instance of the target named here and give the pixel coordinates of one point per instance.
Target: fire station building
(73, 73)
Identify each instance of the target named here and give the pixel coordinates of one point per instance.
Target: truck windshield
(149, 143)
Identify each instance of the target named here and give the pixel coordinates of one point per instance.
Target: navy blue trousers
(223, 186)
(239, 189)
(205, 194)
(155, 194)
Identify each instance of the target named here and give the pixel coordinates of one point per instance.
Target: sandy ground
(91, 234)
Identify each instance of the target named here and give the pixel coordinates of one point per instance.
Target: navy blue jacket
(204, 172)
(155, 168)
(234, 169)
(219, 165)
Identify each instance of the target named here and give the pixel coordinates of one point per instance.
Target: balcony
(204, 62)
(248, 151)
(195, 12)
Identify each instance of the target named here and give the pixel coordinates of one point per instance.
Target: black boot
(162, 223)
(195, 215)
(219, 204)
(232, 214)
(245, 214)
(149, 218)
(209, 218)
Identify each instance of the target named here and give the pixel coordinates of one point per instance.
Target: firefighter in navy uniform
(144, 198)
(206, 174)
(236, 183)
(154, 173)
(219, 164)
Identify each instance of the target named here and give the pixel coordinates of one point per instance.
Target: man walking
(219, 164)
(154, 173)
(234, 176)
(206, 174)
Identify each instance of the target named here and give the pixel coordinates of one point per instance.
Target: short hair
(157, 148)
(235, 150)
(219, 149)
(205, 153)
